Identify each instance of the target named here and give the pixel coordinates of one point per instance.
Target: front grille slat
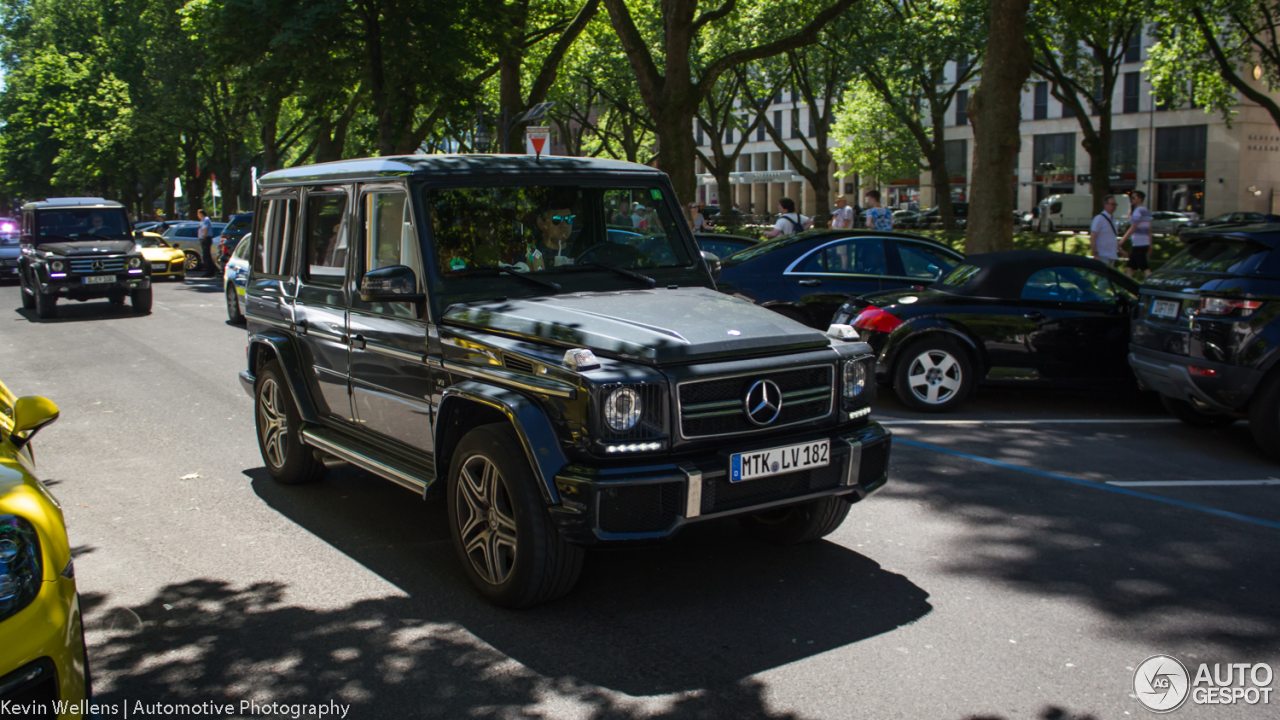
(104, 265)
(710, 408)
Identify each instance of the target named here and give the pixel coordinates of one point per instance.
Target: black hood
(650, 326)
(88, 247)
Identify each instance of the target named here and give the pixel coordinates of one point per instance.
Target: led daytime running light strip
(634, 447)
(861, 412)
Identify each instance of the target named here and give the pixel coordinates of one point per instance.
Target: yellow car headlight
(20, 569)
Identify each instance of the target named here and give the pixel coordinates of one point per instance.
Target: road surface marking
(1192, 483)
(1098, 486)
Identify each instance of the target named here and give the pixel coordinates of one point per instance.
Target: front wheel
(46, 305)
(510, 549)
(279, 425)
(192, 260)
(933, 375)
(1193, 416)
(797, 524)
(233, 305)
(1264, 416)
(141, 300)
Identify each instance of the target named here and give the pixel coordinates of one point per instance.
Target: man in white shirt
(789, 221)
(1139, 234)
(842, 216)
(1102, 233)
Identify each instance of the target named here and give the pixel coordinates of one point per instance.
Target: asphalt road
(1003, 573)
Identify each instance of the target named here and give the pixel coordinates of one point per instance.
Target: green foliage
(875, 143)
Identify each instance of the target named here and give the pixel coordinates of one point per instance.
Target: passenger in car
(554, 225)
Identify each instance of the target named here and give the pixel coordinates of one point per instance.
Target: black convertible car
(1023, 316)
(808, 276)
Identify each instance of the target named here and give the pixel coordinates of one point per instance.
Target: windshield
(61, 224)
(1227, 255)
(486, 236)
(239, 223)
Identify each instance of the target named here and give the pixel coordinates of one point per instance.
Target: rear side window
(856, 256)
(1225, 255)
(1069, 284)
(924, 262)
(326, 230)
(270, 243)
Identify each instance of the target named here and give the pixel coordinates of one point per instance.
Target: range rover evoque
(80, 249)
(493, 330)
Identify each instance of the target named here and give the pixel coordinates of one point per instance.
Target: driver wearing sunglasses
(555, 226)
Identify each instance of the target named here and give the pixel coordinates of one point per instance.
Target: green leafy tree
(873, 143)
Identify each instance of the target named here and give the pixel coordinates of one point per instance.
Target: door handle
(357, 342)
(811, 283)
(1033, 315)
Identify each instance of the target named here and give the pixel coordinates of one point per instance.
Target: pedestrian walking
(878, 218)
(206, 242)
(789, 221)
(1138, 235)
(842, 216)
(1102, 233)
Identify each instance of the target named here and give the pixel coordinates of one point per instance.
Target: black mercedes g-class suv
(1206, 334)
(495, 329)
(80, 249)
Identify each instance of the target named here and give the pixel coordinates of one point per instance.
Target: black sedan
(808, 276)
(723, 246)
(1022, 317)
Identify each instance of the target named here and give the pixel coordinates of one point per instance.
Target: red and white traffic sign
(537, 140)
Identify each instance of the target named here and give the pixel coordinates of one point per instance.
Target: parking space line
(1192, 483)
(1098, 486)
(1046, 421)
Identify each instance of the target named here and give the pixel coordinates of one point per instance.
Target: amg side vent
(517, 363)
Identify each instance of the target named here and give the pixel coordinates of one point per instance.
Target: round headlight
(135, 262)
(57, 266)
(622, 409)
(855, 378)
(20, 570)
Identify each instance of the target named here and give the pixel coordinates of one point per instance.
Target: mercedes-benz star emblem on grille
(97, 266)
(763, 402)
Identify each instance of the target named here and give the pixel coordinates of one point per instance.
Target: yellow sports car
(43, 666)
(166, 261)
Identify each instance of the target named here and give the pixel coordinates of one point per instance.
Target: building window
(777, 121)
(728, 135)
(962, 102)
(1041, 110)
(957, 158)
(699, 134)
(1058, 148)
(962, 68)
(1124, 152)
(760, 130)
(1067, 111)
(1131, 85)
(1180, 151)
(1133, 50)
(812, 127)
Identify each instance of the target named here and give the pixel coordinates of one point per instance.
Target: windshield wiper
(628, 273)
(554, 286)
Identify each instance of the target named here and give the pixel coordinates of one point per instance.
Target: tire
(1264, 416)
(1189, 414)
(797, 524)
(46, 305)
(192, 261)
(28, 296)
(511, 551)
(233, 305)
(941, 371)
(140, 299)
(276, 418)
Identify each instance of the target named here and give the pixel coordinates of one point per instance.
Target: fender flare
(914, 329)
(540, 442)
(281, 345)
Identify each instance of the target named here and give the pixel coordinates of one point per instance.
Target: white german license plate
(776, 461)
(98, 279)
(1164, 308)
(159, 267)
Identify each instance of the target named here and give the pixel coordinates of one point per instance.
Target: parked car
(932, 218)
(226, 241)
(166, 261)
(907, 219)
(606, 400)
(186, 237)
(1028, 317)
(1163, 222)
(808, 276)
(42, 649)
(1233, 218)
(1207, 332)
(1059, 212)
(80, 249)
(235, 278)
(723, 246)
(10, 249)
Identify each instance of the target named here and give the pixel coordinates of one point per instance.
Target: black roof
(1267, 234)
(448, 166)
(1004, 274)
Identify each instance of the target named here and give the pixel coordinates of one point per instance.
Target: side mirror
(713, 264)
(396, 283)
(30, 415)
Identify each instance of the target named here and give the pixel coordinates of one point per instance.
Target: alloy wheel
(191, 260)
(273, 426)
(934, 376)
(486, 520)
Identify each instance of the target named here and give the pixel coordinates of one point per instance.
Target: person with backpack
(878, 218)
(789, 221)
(1102, 233)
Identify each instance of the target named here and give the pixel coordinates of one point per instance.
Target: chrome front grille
(97, 265)
(710, 408)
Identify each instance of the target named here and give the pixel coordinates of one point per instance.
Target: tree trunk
(821, 183)
(942, 184)
(677, 151)
(995, 110)
(1099, 148)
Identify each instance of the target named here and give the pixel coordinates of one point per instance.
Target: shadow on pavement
(74, 311)
(691, 620)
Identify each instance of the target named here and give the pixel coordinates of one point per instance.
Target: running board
(375, 462)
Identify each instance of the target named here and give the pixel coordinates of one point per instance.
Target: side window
(326, 248)
(921, 261)
(1069, 284)
(857, 256)
(270, 239)
(388, 230)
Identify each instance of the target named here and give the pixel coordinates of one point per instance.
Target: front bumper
(168, 268)
(638, 504)
(42, 655)
(1228, 390)
(75, 287)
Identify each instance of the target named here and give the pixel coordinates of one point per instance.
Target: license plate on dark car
(776, 461)
(1164, 308)
(99, 279)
